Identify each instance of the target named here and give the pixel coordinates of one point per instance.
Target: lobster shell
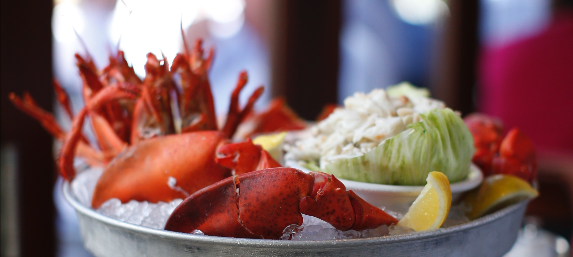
(151, 164)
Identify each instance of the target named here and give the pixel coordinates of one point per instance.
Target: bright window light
(67, 17)
(420, 12)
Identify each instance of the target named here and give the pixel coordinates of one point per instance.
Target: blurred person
(383, 43)
(529, 84)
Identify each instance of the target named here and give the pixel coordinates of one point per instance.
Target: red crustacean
(174, 166)
(487, 133)
(276, 118)
(262, 203)
(158, 140)
(142, 156)
(513, 154)
(516, 156)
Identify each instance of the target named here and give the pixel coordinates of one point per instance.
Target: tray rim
(271, 243)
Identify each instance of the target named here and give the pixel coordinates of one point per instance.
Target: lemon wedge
(496, 192)
(273, 144)
(430, 209)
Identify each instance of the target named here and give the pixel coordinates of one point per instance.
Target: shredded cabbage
(440, 142)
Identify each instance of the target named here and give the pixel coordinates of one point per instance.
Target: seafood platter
(391, 172)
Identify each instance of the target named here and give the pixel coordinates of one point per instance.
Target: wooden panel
(27, 66)
(456, 76)
(305, 54)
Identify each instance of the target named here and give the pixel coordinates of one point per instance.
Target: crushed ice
(155, 215)
(151, 215)
(456, 216)
(314, 229)
(84, 184)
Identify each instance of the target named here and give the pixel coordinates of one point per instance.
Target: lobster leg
(261, 204)
(487, 133)
(196, 97)
(277, 117)
(110, 113)
(47, 120)
(63, 99)
(235, 115)
(209, 60)
(516, 156)
(28, 106)
(152, 113)
(120, 70)
(65, 162)
(267, 161)
(106, 135)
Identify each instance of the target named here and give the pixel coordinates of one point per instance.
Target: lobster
(516, 156)
(261, 204)
(487, 133)
(277, 117)
(143, 157)
(513, 154)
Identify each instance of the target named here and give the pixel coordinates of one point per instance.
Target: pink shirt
(529, 84)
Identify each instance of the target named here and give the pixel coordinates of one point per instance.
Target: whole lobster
(143, 157)
(513, 154)
(262, 203)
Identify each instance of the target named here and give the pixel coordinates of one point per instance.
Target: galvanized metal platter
(492, 235)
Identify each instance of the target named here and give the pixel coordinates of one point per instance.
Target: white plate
(399, 198)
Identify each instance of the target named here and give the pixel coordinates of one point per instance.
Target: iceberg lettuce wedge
(440, 142)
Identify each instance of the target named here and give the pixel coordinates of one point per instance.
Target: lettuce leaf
(440, 142)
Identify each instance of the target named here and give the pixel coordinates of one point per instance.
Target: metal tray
(492, 235)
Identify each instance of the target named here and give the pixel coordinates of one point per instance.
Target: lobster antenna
(109, 50)
(185, 45)
(129, 9)
(123, 29)
(80, 39)
(163, 55)
(118, 42)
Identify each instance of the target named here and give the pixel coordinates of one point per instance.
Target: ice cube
(84, 184)
(197, 232)
(376, 232)
(152, 215)
(395, 230)
(456, 216)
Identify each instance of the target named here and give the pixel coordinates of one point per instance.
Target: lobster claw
(187, 159)
(516, 156)
(244, 157)
(487, 133)
(344, 210)
(262, 203)
(267, 161)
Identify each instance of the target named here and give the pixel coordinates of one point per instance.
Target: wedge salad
(388, 138)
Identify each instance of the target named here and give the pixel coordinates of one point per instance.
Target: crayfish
(513, 154)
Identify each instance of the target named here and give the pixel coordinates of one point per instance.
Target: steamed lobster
(262, 203)
(142, 156)
(513, 154)
(148, 155)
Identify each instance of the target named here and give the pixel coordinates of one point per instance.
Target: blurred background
(509, 58)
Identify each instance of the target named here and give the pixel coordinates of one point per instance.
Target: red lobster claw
(261, 204)
(487, 133)
(245, 157)
(516, 156)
